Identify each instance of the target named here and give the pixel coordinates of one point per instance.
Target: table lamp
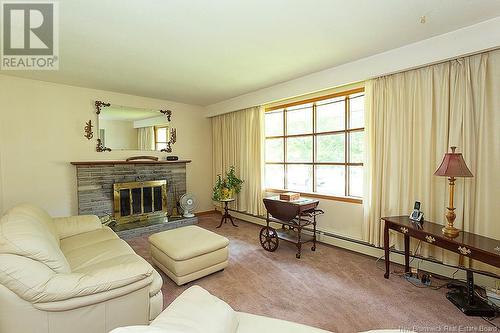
(453, 165)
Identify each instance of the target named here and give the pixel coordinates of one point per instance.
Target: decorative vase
(226, 193)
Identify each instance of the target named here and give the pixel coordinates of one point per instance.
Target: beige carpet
(331, 288)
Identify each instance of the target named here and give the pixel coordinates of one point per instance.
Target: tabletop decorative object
(225, 188)
(452, 166)
(224, 191)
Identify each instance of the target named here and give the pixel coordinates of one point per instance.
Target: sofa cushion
(197, 311)
(84, 257)
(250, 323)
(73, 225)
(87, 238)
(25, 232)
(142, 329)
(188, 242)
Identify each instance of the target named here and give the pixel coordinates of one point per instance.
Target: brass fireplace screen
(139, 200)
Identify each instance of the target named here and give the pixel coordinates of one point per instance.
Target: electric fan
(188, 204)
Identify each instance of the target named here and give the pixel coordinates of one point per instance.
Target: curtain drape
(146, 138)
(412, 118)
(238, 141)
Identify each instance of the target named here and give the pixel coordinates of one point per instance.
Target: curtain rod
(442, 61)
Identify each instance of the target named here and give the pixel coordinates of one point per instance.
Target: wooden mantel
(111, 162)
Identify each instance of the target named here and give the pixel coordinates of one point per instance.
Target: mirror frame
(99, 105)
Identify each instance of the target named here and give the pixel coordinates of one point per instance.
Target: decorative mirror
(127, 128)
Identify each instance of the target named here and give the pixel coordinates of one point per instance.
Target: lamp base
(451, 232)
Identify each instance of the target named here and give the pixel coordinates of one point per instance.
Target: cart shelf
(292, 223)
(292, 236)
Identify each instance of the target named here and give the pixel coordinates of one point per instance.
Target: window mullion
(285, 166)
(346, 147)
(314, 157)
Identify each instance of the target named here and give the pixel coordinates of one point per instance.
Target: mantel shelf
(111, 162)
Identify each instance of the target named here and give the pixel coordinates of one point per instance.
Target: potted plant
(225, 188)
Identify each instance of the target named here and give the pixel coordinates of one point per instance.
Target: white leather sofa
(71, 275)
(197, 311)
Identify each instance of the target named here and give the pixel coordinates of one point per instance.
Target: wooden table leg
(231, 219)
(299, 244)
(221, 220)
(386, 249)
(407, 253)
(226, 215)
(313, 248)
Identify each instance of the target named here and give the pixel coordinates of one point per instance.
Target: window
(317, 146)
(161, 138)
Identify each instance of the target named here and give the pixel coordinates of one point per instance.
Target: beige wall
(41, 131)
(1, 177)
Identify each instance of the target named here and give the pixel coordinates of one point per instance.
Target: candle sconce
(88, 130)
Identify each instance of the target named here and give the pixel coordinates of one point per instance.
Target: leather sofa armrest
(74, 225)
(38, 284)
(90, 299)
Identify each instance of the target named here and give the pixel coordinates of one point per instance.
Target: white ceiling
(202, 52)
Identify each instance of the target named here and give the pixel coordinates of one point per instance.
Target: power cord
(448, 281)
(417, 248)
(489, 321)
(407, 276)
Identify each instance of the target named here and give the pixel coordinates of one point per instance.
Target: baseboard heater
(359, 242)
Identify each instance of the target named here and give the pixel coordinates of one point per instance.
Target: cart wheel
(313, 248)
(268, 239)
(297, 255)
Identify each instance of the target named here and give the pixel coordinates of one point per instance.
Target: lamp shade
(453, 165)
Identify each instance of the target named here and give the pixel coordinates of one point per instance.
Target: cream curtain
(412, 118)
(238, 141)
(146, 138)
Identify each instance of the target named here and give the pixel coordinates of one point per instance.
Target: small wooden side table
(226, 215)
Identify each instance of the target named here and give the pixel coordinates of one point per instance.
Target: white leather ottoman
(189, 253)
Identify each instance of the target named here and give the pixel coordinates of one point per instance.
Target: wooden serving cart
(293, 217)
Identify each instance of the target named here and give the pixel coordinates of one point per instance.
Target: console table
(474, 246)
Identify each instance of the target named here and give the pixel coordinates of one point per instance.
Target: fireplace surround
(134, 201)
(100, 184)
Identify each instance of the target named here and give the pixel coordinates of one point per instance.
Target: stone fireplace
(135, 193)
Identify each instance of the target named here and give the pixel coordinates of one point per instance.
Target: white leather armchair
(71, 274)
(196, 311)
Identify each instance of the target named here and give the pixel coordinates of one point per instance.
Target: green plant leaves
(230, 183)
